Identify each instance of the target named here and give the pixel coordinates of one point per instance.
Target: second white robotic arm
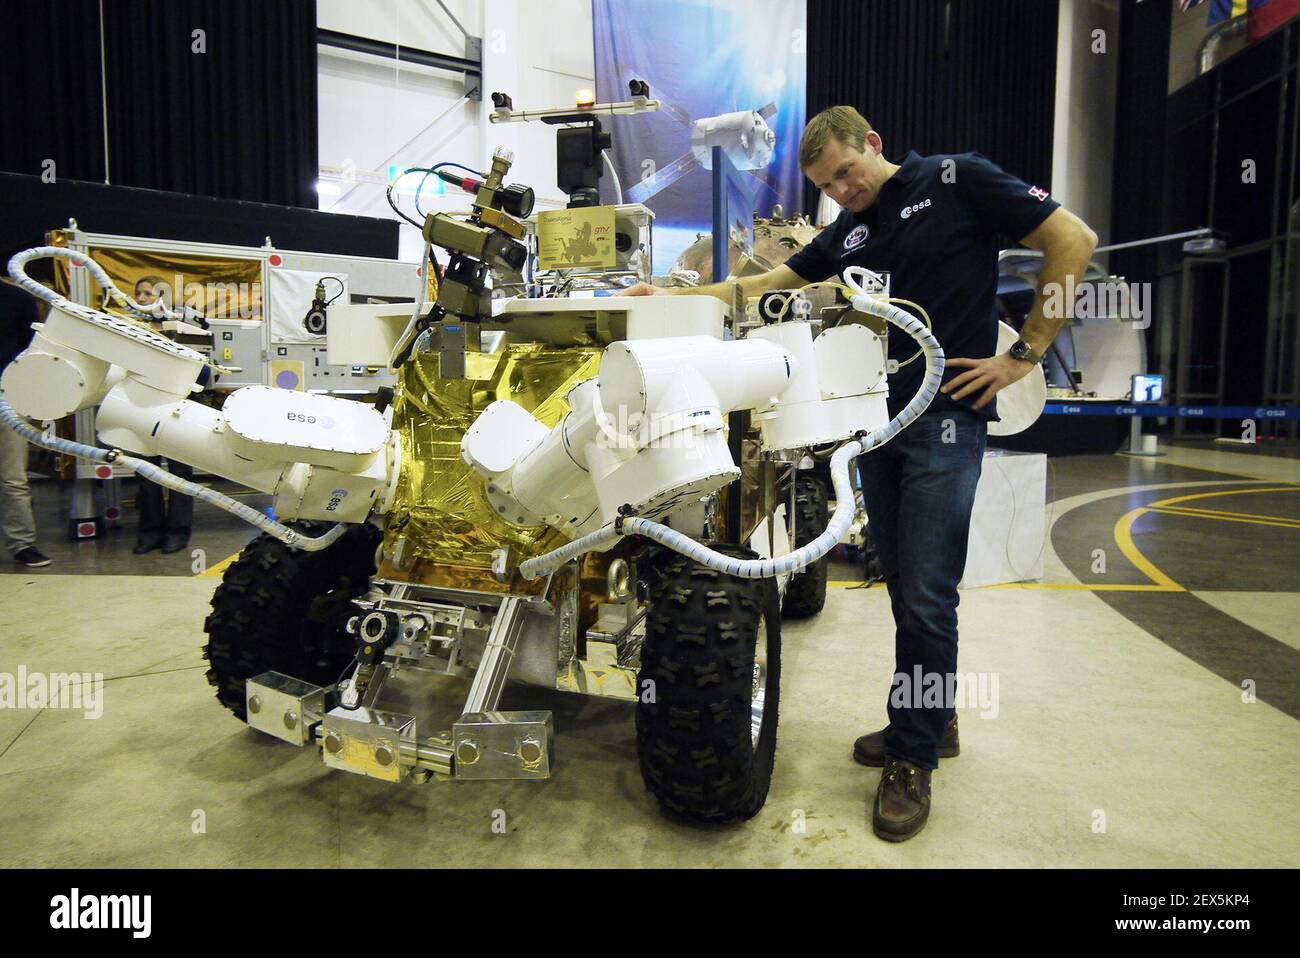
(647, 436)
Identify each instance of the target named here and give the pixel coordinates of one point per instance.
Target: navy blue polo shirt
(937, 227)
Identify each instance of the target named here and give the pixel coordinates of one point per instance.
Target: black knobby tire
(805, 593)
(694, 741)
(281, 609)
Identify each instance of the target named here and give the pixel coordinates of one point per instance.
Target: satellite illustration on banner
(735, 81)
(744, 136)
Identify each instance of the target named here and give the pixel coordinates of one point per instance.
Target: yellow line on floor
(1069, 586)
(1085, 587)
(1195, 514)
(216, 571)
(1124, 539)
(1124, 530)
(1225, 512)
(1227, 492)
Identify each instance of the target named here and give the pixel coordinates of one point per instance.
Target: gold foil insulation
(441, 525)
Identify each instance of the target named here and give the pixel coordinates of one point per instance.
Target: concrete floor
(1121, 738)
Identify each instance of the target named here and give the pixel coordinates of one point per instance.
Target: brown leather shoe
(902, 801)
(870, 749)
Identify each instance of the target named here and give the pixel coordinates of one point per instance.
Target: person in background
(164, 522)
(18, 312)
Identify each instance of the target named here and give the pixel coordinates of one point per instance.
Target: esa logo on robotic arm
(325, 422)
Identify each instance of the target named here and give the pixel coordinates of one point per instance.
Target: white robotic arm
(321, 457)
(647, 436)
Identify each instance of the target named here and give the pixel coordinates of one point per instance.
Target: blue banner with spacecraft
(728, 74)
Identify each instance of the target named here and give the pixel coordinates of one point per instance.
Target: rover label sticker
(581, 238)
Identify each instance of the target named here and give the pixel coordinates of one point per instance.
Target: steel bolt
(333, 744)
(384, 755)
(290, 719)
(467, 753)
(530, 751)
(254, 704)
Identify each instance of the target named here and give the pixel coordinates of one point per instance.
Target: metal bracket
(498, 654)
(504, 745)
(285, 707)
(474, 81)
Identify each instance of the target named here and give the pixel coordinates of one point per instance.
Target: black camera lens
(517, 200)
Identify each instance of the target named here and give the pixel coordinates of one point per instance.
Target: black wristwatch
(1022, 350)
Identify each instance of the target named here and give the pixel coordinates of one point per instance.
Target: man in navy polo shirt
(935, 223)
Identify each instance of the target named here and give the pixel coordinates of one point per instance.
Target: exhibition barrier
(1147, 411)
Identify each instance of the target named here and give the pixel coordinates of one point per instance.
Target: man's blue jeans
(918, 490)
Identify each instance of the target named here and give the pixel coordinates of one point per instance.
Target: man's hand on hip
(992, 375)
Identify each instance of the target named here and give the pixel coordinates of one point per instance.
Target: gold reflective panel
(441, 524)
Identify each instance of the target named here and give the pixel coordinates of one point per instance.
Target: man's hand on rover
(645, 289)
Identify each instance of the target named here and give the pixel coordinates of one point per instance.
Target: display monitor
(1148, 388)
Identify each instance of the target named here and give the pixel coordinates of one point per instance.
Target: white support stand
(1137, 442)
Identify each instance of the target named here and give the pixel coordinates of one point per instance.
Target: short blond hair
(842, 122)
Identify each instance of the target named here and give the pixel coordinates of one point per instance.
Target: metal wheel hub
(758, 689)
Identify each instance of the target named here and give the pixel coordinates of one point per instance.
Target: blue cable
(438, 166)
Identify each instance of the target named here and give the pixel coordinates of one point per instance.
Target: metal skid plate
(283, 706)
(496, 745)
(368, 742)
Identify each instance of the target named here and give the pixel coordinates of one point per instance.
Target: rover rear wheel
(281, 609)
(709, 691)
(805, 593)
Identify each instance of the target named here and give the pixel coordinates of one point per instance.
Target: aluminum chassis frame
(511, 624)
(378, 740)
(532, 639)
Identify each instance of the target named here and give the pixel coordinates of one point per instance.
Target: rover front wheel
(709, 691)
(280, 609)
